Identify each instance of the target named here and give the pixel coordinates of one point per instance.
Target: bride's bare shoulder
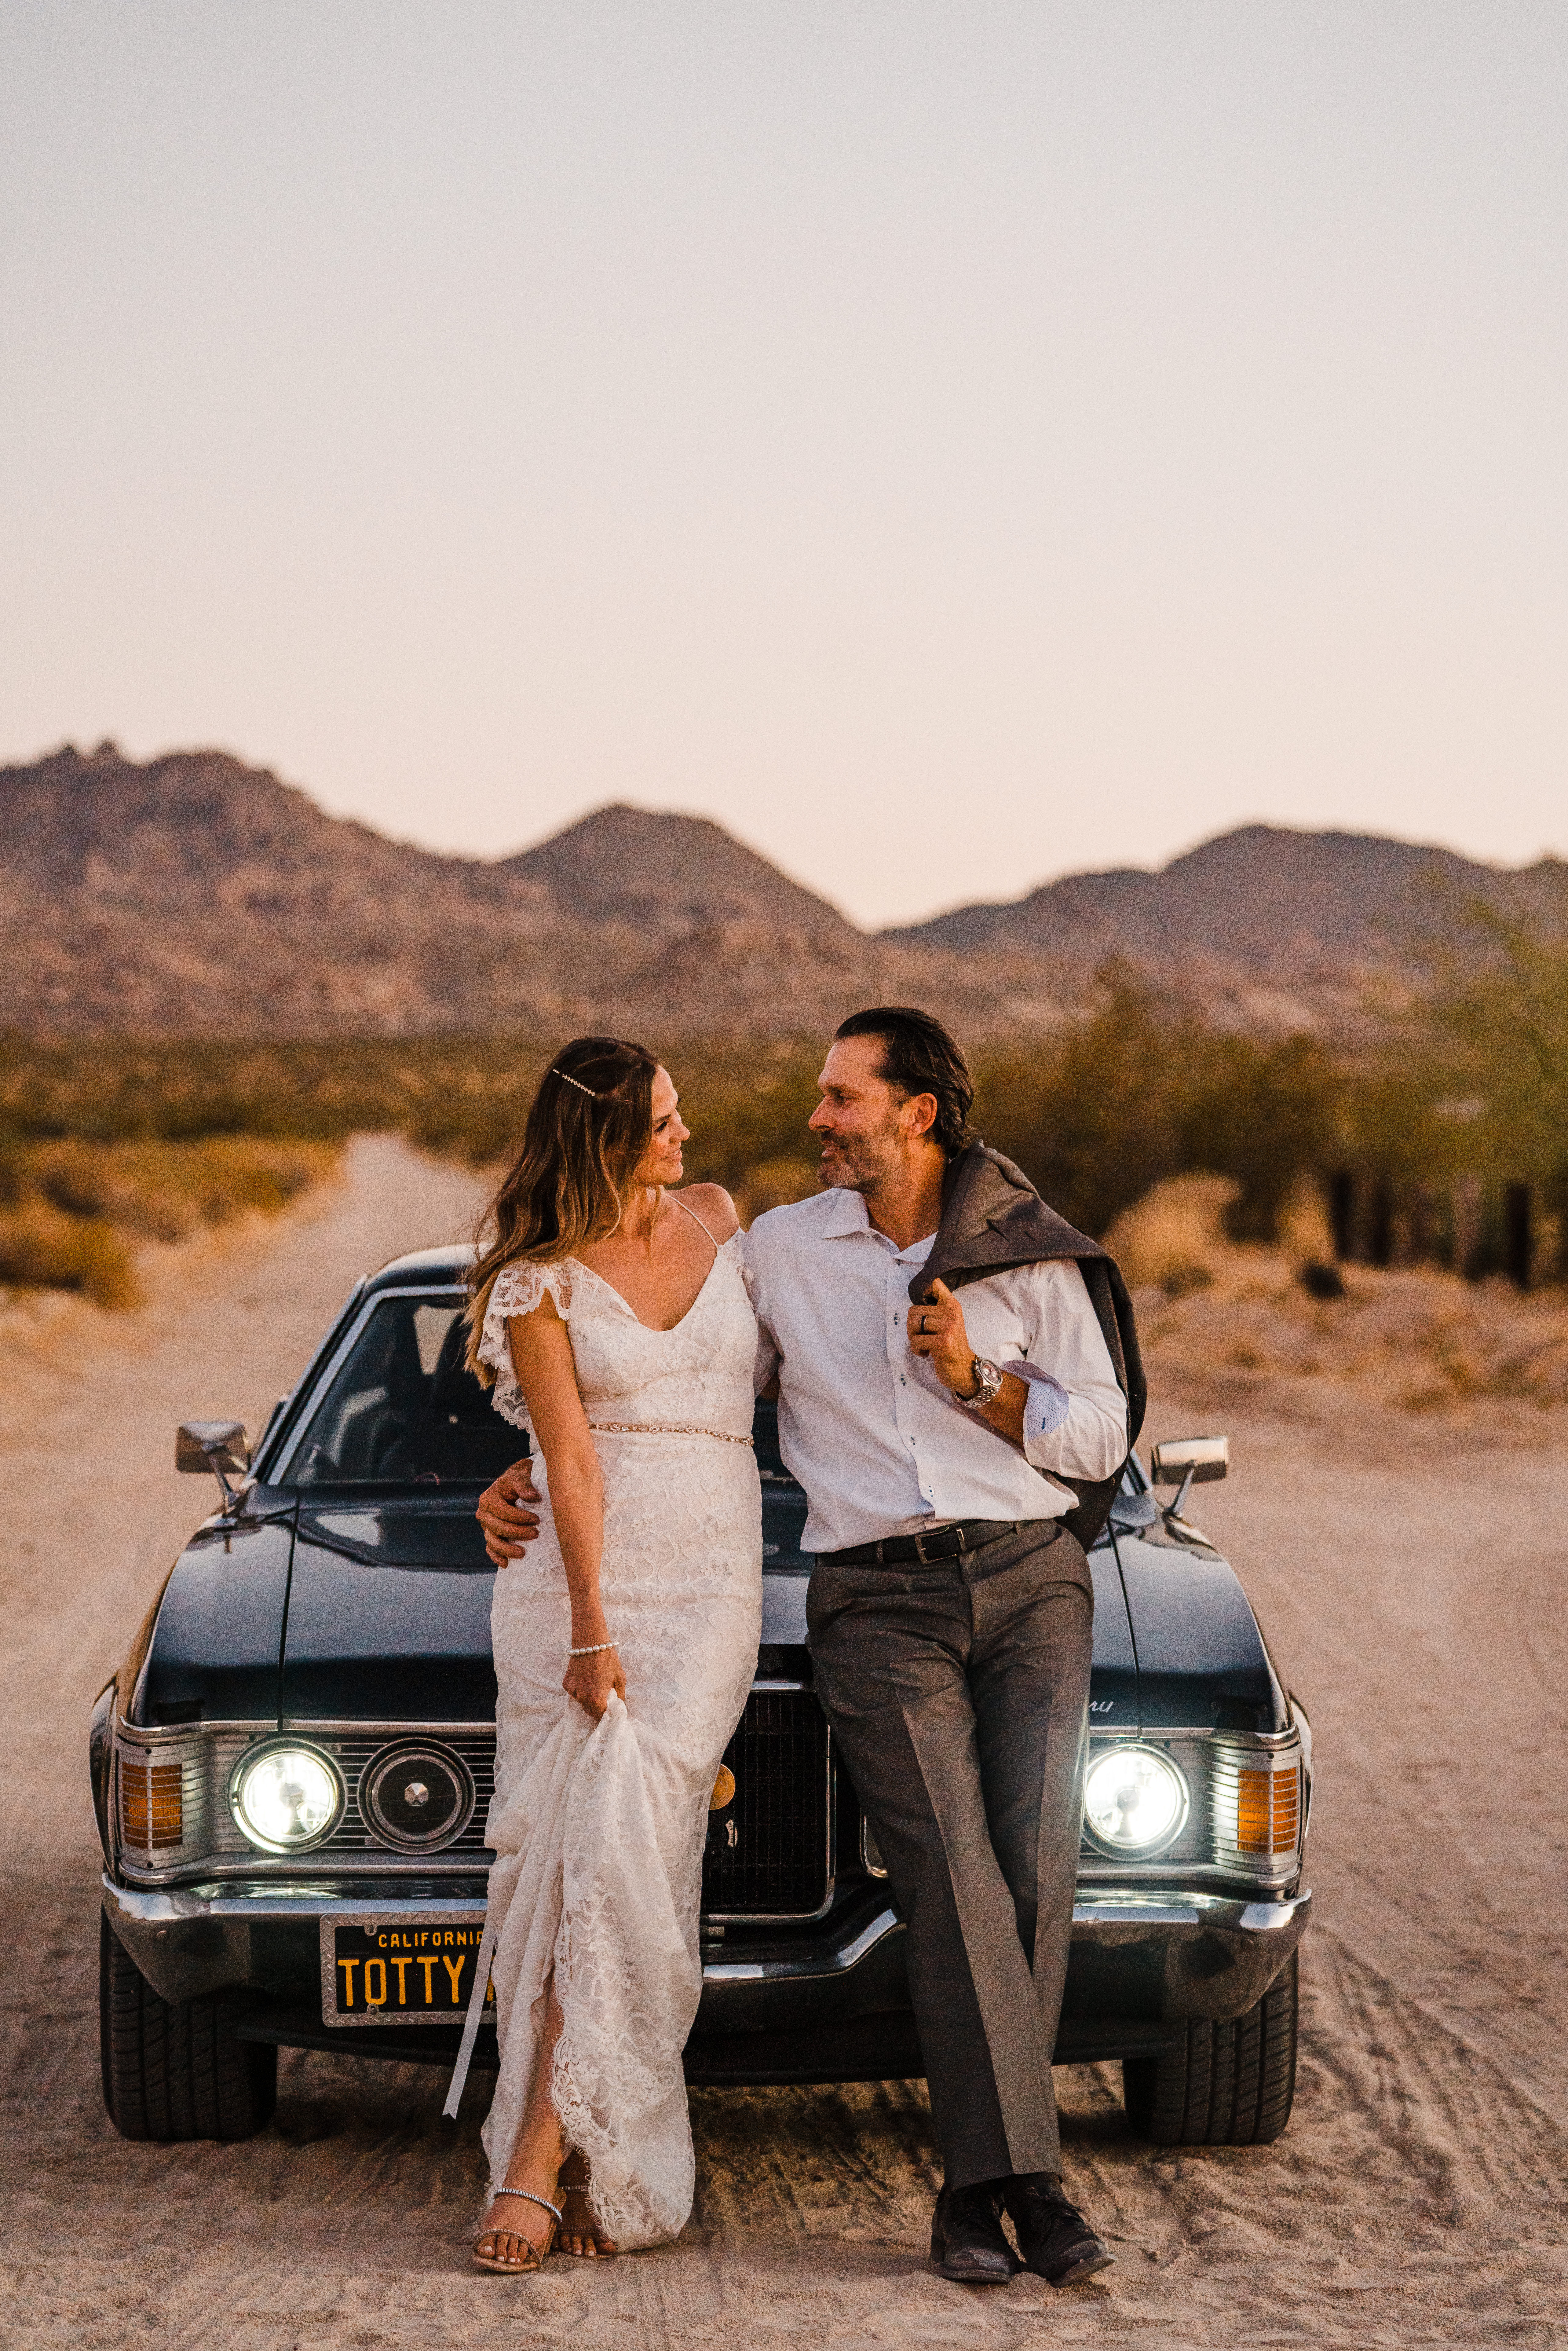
(712, 1204)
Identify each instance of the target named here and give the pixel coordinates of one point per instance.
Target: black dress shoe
(966, 2240)
(1055, 2239)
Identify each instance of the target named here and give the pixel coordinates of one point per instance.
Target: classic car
(291, 1769)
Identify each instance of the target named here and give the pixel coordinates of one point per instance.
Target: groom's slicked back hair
(919, 1056)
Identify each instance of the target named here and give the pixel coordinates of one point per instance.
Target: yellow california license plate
(382, 1968)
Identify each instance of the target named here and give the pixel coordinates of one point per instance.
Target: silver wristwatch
(991, 1380)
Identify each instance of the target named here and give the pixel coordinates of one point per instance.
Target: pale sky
(951, 445)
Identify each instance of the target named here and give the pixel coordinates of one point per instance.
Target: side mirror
(219, 1445)
(1185, 1461)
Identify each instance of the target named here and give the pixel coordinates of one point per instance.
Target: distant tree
(1265, 1114)
(1500, 1039)
(1094, 1117)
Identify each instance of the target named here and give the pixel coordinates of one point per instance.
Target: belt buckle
(921, 1541)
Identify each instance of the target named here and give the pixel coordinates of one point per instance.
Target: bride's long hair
(590, 1124)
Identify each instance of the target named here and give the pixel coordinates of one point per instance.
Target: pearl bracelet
(593, 1649)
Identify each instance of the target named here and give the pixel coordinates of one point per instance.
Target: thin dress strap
(677, 1200)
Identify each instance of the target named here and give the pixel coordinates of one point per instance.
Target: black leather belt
(942, 1542)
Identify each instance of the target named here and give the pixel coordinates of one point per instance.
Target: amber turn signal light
(722, 1789)
(1267, 1806)
(151, 1804)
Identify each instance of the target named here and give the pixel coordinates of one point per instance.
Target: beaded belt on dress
(664, 1429)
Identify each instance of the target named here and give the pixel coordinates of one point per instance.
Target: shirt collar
(849, 1214)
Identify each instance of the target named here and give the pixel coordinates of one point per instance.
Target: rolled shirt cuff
(1046, 1406)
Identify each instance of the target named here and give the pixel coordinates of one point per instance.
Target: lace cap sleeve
(518, 1290)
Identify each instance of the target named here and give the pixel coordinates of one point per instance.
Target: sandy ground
(1410, 1575)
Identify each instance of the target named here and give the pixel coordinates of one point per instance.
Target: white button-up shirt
(866, 1425)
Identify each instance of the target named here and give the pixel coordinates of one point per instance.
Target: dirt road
(1417, 2198)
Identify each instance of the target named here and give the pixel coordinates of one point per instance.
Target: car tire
(1229, 2084)
(177, 2069)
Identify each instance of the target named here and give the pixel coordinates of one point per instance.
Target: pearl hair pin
(566, 1078)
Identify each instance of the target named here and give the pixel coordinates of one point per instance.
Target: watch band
(990, 1383)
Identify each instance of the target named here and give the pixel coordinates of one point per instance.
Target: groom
(959, 1385)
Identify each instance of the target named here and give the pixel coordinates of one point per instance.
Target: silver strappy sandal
(533, 2255)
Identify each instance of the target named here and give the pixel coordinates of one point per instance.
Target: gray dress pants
(958, 1694)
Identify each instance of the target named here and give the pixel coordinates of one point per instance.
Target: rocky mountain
(196, 896)
(1269, 927)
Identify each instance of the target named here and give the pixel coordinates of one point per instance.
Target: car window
(403, 1410)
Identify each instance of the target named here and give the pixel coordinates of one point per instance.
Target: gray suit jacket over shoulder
(994, 1220)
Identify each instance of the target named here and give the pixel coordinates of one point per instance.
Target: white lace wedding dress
(598, 1830)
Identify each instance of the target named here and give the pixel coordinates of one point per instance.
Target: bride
(612, 1316)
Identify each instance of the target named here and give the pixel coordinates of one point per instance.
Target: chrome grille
(769, 1850)
(353, 1833)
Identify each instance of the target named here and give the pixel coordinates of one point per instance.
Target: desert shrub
(229, 1175)
(75, 1207)
(164, 1190)
(76, 1179)
(42, 1248)
(1174, 1236)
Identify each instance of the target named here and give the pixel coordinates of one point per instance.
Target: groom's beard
(860, 1163)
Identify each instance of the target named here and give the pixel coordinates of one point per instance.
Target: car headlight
(1135, 1800)
(287, 1799)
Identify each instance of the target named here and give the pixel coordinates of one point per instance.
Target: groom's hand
(508, 1526)
(936, 1332)
(945, 1343)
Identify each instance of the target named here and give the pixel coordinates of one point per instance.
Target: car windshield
(401, 1408)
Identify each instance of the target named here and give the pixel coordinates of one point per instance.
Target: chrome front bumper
(189, 1944)
(1165, 1956)
(1175, 1957)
